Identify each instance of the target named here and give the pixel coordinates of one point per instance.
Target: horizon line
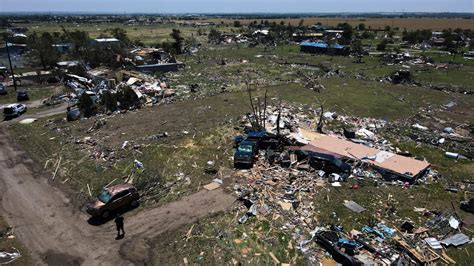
(237, 13)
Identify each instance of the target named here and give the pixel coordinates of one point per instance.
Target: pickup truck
(245, 153)
(247, 146)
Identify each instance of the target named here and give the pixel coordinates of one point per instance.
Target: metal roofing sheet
(456, 240)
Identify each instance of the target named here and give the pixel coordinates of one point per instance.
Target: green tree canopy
(42, 51)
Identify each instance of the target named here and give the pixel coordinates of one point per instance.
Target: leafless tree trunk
(320, 125)
(265, 108)
(251, 103)
(278, 119)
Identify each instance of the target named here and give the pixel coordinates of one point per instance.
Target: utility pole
(11, 67)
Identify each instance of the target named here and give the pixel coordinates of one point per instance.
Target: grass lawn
(362, 98)
(35, 92)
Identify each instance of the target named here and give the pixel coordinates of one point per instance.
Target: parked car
(22, 96)
(112, 199)
(3, 89)
(14, 110)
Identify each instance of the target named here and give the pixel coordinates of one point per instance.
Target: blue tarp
(322, 45)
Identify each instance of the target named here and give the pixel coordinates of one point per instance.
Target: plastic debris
(353, 206)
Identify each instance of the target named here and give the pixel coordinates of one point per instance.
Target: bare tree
(254, 110)
(320, 124)
(278, 118)
(259, 108)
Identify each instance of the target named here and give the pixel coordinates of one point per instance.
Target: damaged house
(320, 47)
(106, 41)
(390, 165)
(150, 60)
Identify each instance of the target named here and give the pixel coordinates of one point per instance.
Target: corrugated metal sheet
(456, 240)
(433, 243)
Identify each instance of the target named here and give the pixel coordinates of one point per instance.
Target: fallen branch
(89, 189)
(57, 168)
(110, 183)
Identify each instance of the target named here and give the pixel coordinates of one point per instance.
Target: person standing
(120, 230)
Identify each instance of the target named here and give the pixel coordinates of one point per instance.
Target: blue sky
(227, 6)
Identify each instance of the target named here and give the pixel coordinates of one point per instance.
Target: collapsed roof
(394, 163)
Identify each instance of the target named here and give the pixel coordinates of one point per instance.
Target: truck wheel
(134, 203)
(105, 214)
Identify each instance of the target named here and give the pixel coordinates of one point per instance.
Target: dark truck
(245, 153)
(247, 147)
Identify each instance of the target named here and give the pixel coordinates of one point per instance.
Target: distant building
(67, 64)
(469, 55)
(261, 32)
(300, 36)
(63, 47)
(321, 47)
(437, 38)
(318, 28)
(107, 41)
(19, 35)
(18, 30)
(14, 48)
(333, 33)
(163, 67)
(436, 34)
(3, 71)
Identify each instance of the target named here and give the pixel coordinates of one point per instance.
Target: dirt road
(56, 232)
(59, 109)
